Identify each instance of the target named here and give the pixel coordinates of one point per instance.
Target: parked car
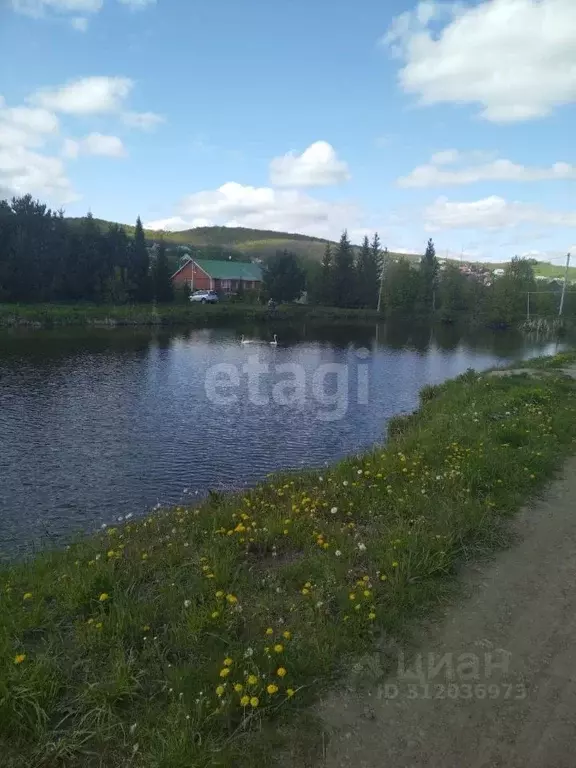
(204, 297)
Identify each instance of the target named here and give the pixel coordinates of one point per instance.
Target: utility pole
(564, 285)
(382, 270)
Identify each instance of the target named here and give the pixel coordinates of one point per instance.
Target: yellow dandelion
(281, 672)
(27, 596)
(269, 631)
(228, 662)
(254, 701)
(220, 690)
(305, 591)
(219, 593)
(231, 599)
(286, 634)
(111, 553)
(395, 564)
(103, 597)
(372, 616)
(290, 692)
(278, 648)
(272, 688)
(252, 680)
(99, 625)
(367, 593)
(215, 614)
(224, 672)
(244, 701)
(352, 596)
(238, 687)
(19, 658)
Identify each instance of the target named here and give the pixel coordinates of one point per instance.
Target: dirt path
(511, 643)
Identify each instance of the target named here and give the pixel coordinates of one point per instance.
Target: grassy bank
(59, 315)
(198, 635)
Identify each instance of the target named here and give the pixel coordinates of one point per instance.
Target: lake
(95, 424)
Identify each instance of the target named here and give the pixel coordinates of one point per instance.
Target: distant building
(219, 276)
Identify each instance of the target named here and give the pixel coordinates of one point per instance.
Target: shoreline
(226, 619)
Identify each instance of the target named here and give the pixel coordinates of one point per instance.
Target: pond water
(98, 424)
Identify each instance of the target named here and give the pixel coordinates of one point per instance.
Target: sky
(425, 119)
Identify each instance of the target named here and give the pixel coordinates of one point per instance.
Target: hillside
(245, 243)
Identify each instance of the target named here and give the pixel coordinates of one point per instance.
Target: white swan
(245, 341)
(275, 342)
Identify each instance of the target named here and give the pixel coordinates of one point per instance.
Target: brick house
(220, 276)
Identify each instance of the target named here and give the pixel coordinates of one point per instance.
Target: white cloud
(137, 4)
(144, 121)
(317, 166)
(492, 213)
(23, 170)
(436, 173)
(38, 8)
(79, 23)
(262, 208)
(88, 95)
(94, 144)
(516, 58)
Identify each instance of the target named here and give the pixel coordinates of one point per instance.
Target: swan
(245, 341)
(275, 342)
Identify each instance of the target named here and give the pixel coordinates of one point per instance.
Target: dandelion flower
(103, 597)
(395, 564)
(254, 701)
(19, 658)
(269, 631)
(278, 648)
(228, 662)
(352, 596)
(281, 672)
(244, 701)
(238, 687)
(27, 596)
(372, 616)
(224, 672)
(305, 591)
(272, 689)
(252, 680)
(290, 692)
(231, 599)
(367, 593)
(286, 634)
(219, 593)
(220, 690)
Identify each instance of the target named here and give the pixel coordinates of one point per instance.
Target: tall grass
(56, 315)
(191, 637)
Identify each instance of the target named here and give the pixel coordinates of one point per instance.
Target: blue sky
(454, 121)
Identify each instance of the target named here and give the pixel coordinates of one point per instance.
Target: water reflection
(96, 424)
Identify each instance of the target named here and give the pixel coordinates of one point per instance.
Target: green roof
(230, 270)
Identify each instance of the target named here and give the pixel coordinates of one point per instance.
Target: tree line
(45, 257)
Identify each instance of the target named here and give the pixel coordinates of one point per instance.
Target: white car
(204, 297)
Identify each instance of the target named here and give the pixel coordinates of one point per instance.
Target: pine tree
(163, 289)
(326, 291)
(283, 278)
(429, 269)
(368, 268)
(344, 274)
(139, 266)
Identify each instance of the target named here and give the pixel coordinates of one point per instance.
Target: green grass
(54, 315)
(135, 647)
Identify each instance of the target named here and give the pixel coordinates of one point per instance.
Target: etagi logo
(330, 386)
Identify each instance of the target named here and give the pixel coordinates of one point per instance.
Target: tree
(368, 268)
(344, 287)
(509, 295)
(139, 266)
(326, 288)
(162, 284)
(400, 289)
(429, 269)
(283, 278)
(453, 291)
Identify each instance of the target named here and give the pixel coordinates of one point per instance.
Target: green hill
(247, 244)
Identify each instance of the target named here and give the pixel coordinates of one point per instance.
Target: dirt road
(506, 693)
